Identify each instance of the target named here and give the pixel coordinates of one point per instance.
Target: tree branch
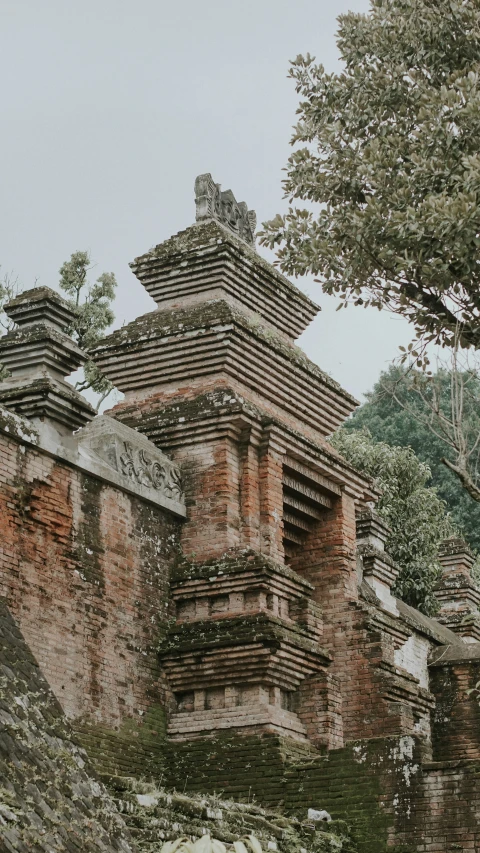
(464, 478)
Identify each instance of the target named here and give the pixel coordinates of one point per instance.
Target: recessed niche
(251, 600)
(287, 700)
(185, 701)
(219, 604)
(186, 609)
(215, 698)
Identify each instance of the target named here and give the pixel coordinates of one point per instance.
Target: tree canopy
(9, 289)
(413, 510)
(390, 166)
(93, 313)
(387, 420)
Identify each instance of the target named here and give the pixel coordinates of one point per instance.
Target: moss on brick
(255, 628)
(247, 767)
(136, 748)
(211, 238)
(357, 784)
(215, 314)
(89, 550)
(50, 800)
(233, 563)
(349, 786)
(15, 426)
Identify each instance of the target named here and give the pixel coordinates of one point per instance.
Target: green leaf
(386, 154)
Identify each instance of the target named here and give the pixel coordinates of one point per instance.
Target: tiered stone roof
(215, 341)
(207, 261)
(39, 354)
(225, 317)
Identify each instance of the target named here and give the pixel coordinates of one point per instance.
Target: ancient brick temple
(203, 579)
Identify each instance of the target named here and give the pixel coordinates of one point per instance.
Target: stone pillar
(250, 488)
(456, 592)
(272, 454)
(328, 561)
(320, 710)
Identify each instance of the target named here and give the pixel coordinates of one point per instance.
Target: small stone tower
(39, 354)
(458, 596)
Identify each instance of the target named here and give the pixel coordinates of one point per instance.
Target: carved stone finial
(212, 203)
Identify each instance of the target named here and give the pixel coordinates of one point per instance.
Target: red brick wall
(84, 568)
(234, 496)
(456, 718)
(212, 486)
(361, 651)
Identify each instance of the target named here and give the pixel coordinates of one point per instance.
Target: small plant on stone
(206, 844)
(92, 307)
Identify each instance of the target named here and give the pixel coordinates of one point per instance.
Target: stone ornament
(162, 476)
(212, 203)
(135, 459)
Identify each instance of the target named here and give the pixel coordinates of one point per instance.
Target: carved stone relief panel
(135, 458)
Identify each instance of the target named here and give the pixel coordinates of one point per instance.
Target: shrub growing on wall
(414, 512)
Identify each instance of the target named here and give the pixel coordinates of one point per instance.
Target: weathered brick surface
(85, 570)
(290, 672)
(49, 799)
(382, 788)
(456, 718)
(444, 814)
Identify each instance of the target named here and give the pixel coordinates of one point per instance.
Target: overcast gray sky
(111, 108)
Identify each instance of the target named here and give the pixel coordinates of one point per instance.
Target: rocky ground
(154, 815)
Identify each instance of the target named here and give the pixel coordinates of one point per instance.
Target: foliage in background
(449, 409)
(391, 162)
(399, 422)
(93, 314)
(415, 514)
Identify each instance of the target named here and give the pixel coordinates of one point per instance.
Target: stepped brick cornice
(38, 302)
(224, 412)
(246, 636)
(371, 529)
(39, 342)
(45, 400)
(245, 583)
(269, 630)
(207, 261)
(38, 355)
(180, 347)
